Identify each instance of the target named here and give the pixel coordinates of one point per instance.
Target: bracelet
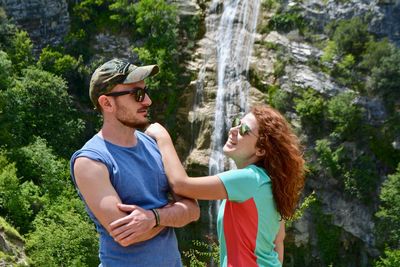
(157, 216)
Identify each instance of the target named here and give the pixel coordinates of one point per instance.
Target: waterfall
(230, 31)
(234, 44)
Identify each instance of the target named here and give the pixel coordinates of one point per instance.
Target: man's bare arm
(187, 210)
(176, 214)
(93, 182)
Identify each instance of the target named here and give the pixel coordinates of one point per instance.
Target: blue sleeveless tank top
(138, 176)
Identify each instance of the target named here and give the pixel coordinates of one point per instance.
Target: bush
(351, 37)
(16, 200)
(310, 107)
(63, 236)
(389, 211)
(345, 115)
(391, 259)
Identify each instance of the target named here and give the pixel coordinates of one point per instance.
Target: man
(122, 165)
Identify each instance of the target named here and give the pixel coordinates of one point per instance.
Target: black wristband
(157, 216)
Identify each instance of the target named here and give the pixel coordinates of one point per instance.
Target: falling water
(233, 23)
(234, 41)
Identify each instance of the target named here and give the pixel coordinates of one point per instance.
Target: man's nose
(147, 100)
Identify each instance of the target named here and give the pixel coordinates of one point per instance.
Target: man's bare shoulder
(84, 166)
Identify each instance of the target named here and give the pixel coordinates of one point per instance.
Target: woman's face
(242, 139)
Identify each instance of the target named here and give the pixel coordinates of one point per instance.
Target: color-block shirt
(248, 220)
(137, 175)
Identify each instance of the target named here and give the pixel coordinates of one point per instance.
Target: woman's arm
(280, 237)
(207, 187)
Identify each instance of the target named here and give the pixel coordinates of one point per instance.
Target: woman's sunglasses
(243, 129)
(140, 93)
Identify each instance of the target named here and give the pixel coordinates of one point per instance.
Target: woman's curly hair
(283, 159)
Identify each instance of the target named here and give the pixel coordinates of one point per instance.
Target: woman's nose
(234, 130)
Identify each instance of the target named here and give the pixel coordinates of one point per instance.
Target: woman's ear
(105, 103)
(260, 152)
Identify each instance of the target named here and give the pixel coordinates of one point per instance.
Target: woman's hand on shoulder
(157, 131)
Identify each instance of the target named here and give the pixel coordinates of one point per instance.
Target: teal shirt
(248, 221)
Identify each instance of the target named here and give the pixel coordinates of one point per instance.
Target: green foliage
(285, 22)
(95, 16)
(389, 211)
(66, 66)
(344, 70)
(62, 236)
(330, 52)
(40, 102)
(269, 4)
(328, 158)
(202, 254)
(385, 79)
(351, 37)
(391, 259)
(345, 115)
(20, 52)
(307, 203)
(360, 177)
(9, 230)
(354, 170)
(5, 71)
(278, 98)
(125, 12)
(328, 235)
(37, 163)
(16, 199)
(310, 107)
(7, 31)
(374, 53)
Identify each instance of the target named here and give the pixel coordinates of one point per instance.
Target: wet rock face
(46, 21)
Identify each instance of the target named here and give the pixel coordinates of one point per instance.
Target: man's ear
(260, 152)
(105, 103)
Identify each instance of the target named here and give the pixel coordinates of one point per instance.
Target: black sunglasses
(244, 128)
(140, 93)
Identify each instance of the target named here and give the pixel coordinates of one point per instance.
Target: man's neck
(119, 134)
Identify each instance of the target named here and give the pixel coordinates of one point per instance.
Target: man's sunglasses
(243, 129)
(140, 93)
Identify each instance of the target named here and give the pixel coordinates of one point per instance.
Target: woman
(258, 196)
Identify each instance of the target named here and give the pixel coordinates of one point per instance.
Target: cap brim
(141, 73)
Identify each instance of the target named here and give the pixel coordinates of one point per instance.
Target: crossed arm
(128, 224)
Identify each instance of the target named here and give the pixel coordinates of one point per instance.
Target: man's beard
(131, 122)
(135, 124)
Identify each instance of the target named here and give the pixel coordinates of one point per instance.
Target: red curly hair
(283, 159)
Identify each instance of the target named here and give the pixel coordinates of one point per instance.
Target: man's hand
(126, 230)
(157, 131)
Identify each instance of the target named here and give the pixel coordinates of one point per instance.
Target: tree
(5, 71)
(310, 106)
(16, 199)
(37, 163)
(385, 79)
(20, 52)
(351, 37)
(345, 115)
(389, 211)
(39, 105)
(66, 66)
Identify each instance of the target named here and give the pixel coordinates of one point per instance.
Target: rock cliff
(46, 21)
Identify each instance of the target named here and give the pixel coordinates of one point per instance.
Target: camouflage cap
(117, 71)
